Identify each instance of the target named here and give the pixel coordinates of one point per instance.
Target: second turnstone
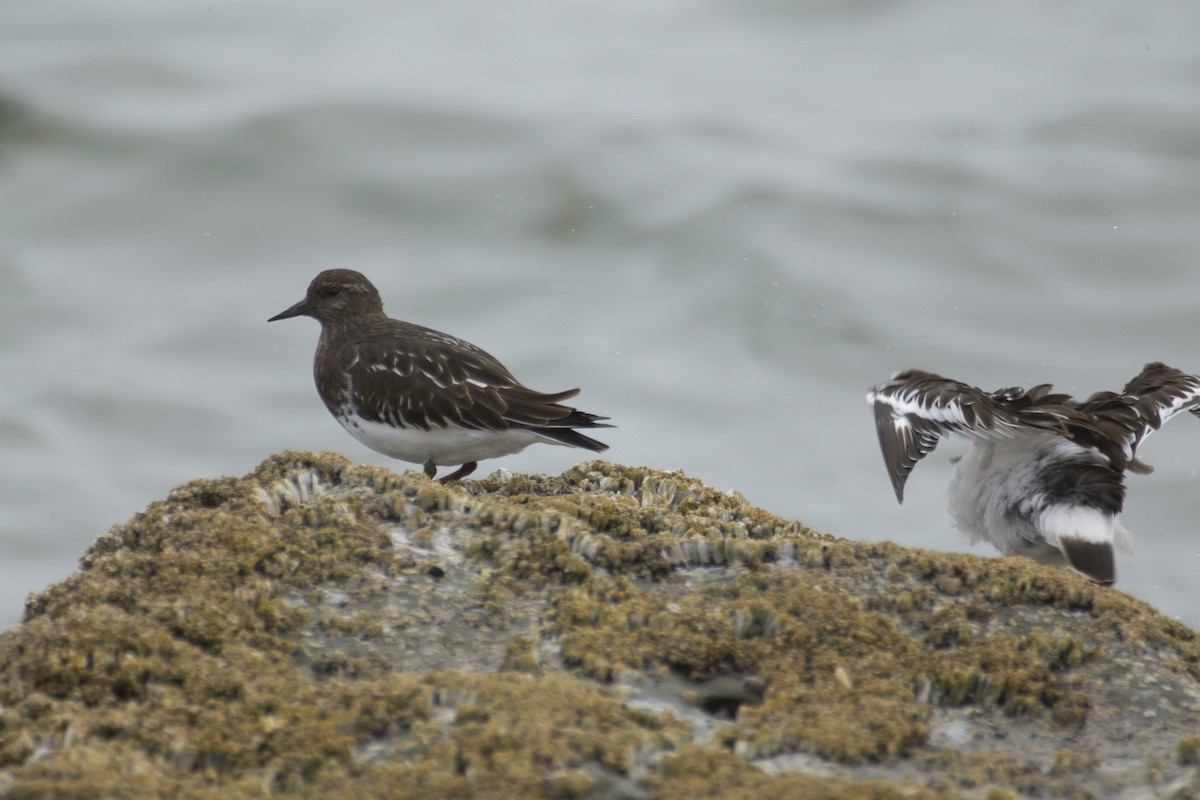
(1046, 474)
(422, 396)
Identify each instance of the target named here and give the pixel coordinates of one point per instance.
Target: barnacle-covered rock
(321, 629)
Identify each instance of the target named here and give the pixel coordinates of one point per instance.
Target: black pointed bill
(298, 310)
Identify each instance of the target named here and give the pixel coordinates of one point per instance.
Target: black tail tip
(1093, 559)
(573, 438)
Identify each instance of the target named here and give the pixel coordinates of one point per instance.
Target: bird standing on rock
(422, 396)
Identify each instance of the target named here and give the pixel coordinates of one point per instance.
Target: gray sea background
(723, 220)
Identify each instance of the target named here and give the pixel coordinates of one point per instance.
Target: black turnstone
(422, 396)
(1046, 474)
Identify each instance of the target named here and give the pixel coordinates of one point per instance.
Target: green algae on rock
(327, 630)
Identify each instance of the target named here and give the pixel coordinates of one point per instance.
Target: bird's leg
(462, 472)
(1139, 466)
(430, 469)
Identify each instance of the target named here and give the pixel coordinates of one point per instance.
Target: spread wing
(915, 409)
(433, 379)
(1156, 395)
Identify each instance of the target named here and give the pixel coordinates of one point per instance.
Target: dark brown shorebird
(1045, 476)
(423, 396)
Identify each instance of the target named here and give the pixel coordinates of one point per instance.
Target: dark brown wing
(915, 409)
(411, 376)
(1145, 404)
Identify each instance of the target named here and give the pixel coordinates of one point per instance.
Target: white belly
(445, 447)
(997, 495)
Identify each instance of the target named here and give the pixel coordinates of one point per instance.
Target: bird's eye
(333, 291)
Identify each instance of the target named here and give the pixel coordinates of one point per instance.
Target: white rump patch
(1080, 522)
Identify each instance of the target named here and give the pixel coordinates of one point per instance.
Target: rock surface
(323, 630)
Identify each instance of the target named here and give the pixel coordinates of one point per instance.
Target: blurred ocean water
(723, 220)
